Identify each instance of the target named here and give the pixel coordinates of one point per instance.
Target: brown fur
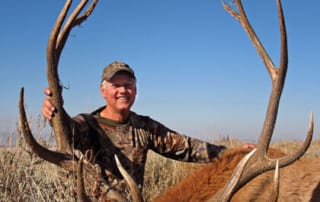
(298, 182)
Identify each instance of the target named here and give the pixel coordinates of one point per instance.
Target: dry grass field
(25, 177)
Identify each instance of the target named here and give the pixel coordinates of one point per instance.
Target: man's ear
(102, 89)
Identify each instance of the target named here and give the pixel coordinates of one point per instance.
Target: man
(115, 129)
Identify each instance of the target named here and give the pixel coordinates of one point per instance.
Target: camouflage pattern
(110, 70)
(131, 140)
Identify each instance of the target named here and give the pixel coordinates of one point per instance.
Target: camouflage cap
(110, 70)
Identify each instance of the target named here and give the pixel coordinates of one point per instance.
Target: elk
(257, 163)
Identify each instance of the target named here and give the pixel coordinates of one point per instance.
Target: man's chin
(124, 109)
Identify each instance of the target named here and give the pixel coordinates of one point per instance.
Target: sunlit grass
(26, 177)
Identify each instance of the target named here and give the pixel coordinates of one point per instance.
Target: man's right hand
(47, 107)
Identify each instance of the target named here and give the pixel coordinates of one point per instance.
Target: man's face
(119, 92)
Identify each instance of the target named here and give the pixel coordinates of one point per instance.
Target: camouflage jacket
(131, 140)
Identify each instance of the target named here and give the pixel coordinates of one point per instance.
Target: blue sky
(197, 71)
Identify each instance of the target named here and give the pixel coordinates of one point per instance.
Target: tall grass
(26, 177)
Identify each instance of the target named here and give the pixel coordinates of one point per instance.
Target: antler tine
(51, 156)
(135, 192)
(284, 43)
(81, 193)
(66, 161)
(90, 9)
(306, 143)
(276, 183)
(243, 20)
(55, 30)
(68, 25)
(228, 189)
(74, 20)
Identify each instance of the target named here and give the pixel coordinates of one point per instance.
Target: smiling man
(115, 129)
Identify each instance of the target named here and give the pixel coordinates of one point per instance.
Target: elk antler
(276, 183)
(56, 42)
(259, 162)
(64, 155)
(135, 192)
(67, 161)
(58, 37)
(61, 159)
